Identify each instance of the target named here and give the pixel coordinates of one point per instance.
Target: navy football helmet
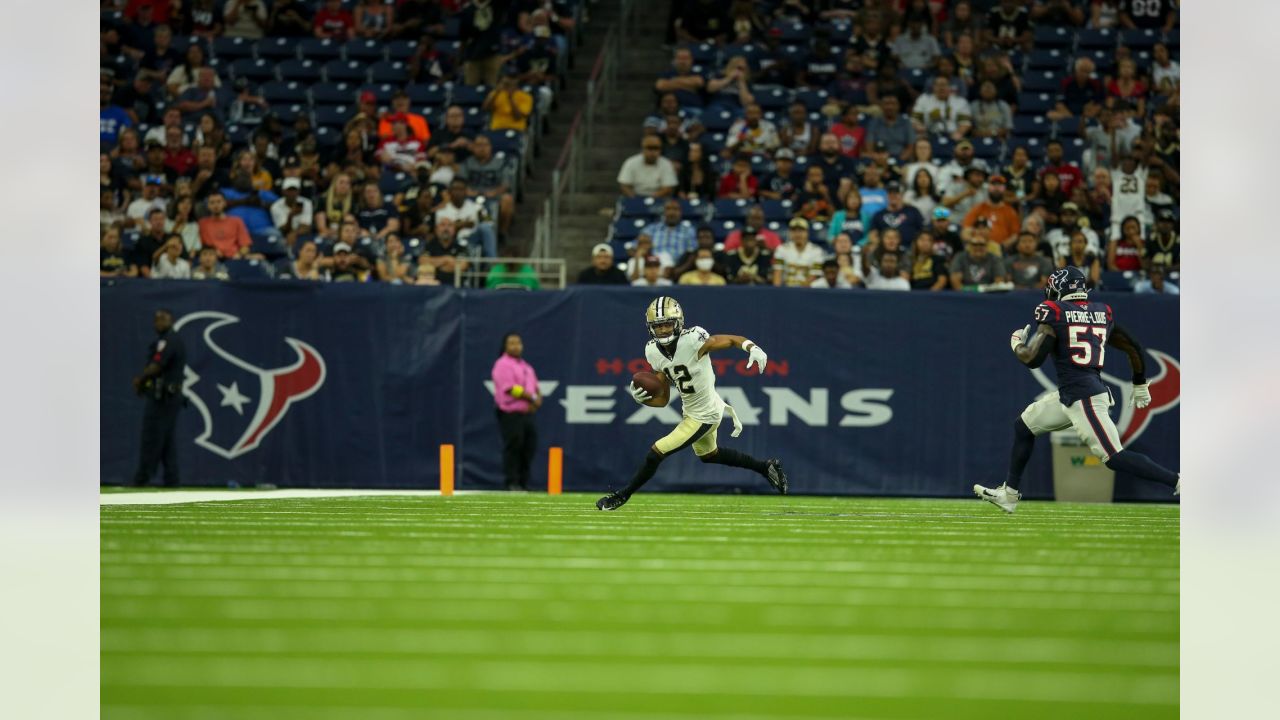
(1069, 283)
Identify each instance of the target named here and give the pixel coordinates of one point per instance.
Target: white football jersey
(693, 376)
(1128, 197)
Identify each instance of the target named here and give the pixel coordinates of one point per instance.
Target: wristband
(747, 345)
(1139, 379)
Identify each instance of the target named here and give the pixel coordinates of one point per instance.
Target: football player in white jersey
(681, 355)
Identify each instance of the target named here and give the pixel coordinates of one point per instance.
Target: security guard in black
(160, 385)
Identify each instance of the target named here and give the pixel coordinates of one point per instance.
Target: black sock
(646, 471)
(1024, 441)
(1135, 463)
(733, 458)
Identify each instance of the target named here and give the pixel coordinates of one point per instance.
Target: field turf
(528, 607)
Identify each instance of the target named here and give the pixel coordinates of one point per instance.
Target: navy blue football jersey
(1082, 330)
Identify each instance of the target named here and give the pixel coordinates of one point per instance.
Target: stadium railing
(549, 272)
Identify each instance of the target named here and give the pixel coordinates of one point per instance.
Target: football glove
(737, 424)
(639, 394)
(1141, 396)
(756, 356)
(1019, 337)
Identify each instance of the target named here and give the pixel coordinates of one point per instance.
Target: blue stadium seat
(794, 54)
(272, 246)
(703, 53)
(712, 143)
(1073, 150)
(752, 52)
(1034, 146)
(468, 95)
(239, 134)
(282, 269)
(1093, 39)
(327, 137)
(284, 92)
(182, 42)
(232, 48)
(365, 51)
(1035, 103)
(718, 121)
(943, 147)
(288, 114)
(1031, 126)
(320, 50)
(248, 270)
(451, 27)
(474, 119)
(1173, 39)
(915, 77)
(1117, 280)
(1140, 39)
(1104, 60)
(255, 70)
(452, 48)
(772, 98)
(813, 100)
(335, 116)
(1042, 81)
(776, 210)
(277, 49)
(129, 240)
(1054, 37)
(435, 95)
(731, 209)
(638, 207)
(389, 71)
(346, 71)
(506, 141)
(383, 92)
(1053, 59)
(793, 33)
(401, 49)
(721, 228)
(334, 93)
(695, 211)
(303, 71)
(987, 148)
(628, 228)
(1067, 128)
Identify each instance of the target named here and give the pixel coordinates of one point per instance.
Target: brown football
(656, 385)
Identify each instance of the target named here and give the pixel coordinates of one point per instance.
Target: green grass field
(688, 607)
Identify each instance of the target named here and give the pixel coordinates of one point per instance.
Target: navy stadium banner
(867, 393)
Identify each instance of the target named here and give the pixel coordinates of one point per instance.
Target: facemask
(705, 264)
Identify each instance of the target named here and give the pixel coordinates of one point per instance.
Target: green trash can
(1078, 475)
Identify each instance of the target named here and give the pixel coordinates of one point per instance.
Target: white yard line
(176, 497)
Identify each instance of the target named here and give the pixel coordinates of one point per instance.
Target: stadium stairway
(586, 216)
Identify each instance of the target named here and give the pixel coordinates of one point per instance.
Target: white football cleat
(1003, 497)
(1177, 489)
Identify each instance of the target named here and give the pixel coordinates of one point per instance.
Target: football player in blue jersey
(1076, 333)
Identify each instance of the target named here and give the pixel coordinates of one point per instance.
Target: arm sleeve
(503, 378)
(1125, 342)
(242, 234)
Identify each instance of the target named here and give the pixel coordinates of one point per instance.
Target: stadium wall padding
(868, 393)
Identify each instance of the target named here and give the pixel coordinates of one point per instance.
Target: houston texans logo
(244, 402)
(1165, 387)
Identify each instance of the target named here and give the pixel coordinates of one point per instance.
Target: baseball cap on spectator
(996, 179)
(1065, 206)
(974, 168)
(155, 180)
(368, 98)
(654, 123)
(291, 161)
(798, 223)
(787, 153)
(292, 182)
(1164, 213)
(652, 261)
(941, 213)
(601, 248)
(893, 186)
(341, 247)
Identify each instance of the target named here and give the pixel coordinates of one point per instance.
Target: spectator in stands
(818, 69)
(470, 217)
(140, 209)
(112, 119)
(782, 183)
(975, 266)
(942, 113)
(674, 145)
(1047, 198)
(751, 133)
(1002, 219)
(896, 215)
(871, 41)
(1128, 193)
(1138, 14)
(1164, 245)
(154, 166)
(703, 21)
(1156, 283)
(428, 64)
(672, 236)
(487, 174)
(946, 235)
(111, 258)
(602, 270)
(307, 265)
(512, 273)
(202, 18)
(206, 97)
(1081, 94)
(798, 262)
(961, 21)
(732, 89)
(830, 277)
(650, 273)
(1019, 173)
(444, 253)
(1165, 74)
(347, 266)
(417, 124)
(209, 132)
(251, 206)
(992, 116)
(1026, 268)
(848, 259)
(892, 128)
(706, 239)
(798, 134)
(926, 269)
(150, 243)
(1008, 27)
(814, 200)
(245, 18)
(640, 254)
(415, 17)
(1125, 252)
(682, 81)
(208, 175)
(169, 263)
(402, 152)
(1080, 256)
(922, 194)
(851, 83)
(177, 156)
(182, 222)
(696, 179)
(837, 170)
(185, 76)
(887, 243)
(208, 267)
(848, 220)
(222, 232)
(480, 31)
(850, 132)
(1127, 87)
(352, 157)
(453, 135)
(377, 217)
(292, 214)
(965, 192)
(916, 48)
(1156, 199)
(888, 274)
(509, 106)
(139, 99)
(289, 18)
(702, 272)
(391, 264)
(739, 183)
(160, 58)
(373, 19)
(887, 82)
(1057, 13)
(1069, 224)
(755, 219)
(647, 174)
(333, 21)
(749, 263)
(997, 70)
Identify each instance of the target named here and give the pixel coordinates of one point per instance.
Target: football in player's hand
(655, 385)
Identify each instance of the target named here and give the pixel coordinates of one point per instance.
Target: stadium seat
(284, 92)
(795, 54)
(328, 136)
(272, 246)
(1053, 59)
(389, 71)
(382, 92)
(506, 141)
(942, 147)
(452, 48)
(776, 210)
(319, 50)
(468, 95)
(1173, 40)
(695, 211)
(818, 232)
(721, 228)
(232, 48)
(129, 240)
(915, 77)
(282, 269)
(1031, 126)
(1073, 150)
(401, 49)
(730, 210)
(255, 70)
(474, 119)
(434, 95)
(637, 207)
(365, 51)
(813, 100)
(1035, 103)
(987, 148)
(288, 114)
(1067, 128)
(248, 270)
(182, 42)
(718, 121)
(1139, 39)
(772, 98)
(1054, 37)
(335, 116)
(334, 93)
(1034, 146)
(703, 53)
(1093, 39)
(1042, 81)
(451, 27)
(303, 71)
(628, 228)
(792, 33)
(1117, 280)
(1104, 60)
(752, 52)
(346, 71)
(239, 134)
(712, 143)
(277, 49)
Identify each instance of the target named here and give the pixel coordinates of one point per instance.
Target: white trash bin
(1078, 475)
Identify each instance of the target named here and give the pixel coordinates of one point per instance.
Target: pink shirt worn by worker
(507, 373)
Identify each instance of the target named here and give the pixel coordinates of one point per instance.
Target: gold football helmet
(664, 313)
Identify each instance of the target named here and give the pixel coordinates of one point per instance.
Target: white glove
(1019, 337)
(639, 394)
(737, 424)
(756, 356)
(1141, 396)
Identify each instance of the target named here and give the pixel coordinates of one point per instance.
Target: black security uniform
(163, 397)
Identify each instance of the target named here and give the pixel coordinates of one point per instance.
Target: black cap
(893, 186)
(1165, 213)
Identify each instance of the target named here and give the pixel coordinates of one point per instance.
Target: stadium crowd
(321, 139)
(906, 145)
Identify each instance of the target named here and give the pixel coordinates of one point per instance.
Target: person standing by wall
(515, 390)
(161, 385)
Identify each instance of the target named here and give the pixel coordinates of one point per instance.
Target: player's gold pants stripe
(702, 436)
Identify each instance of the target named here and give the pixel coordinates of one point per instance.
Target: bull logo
(1165, 386)
(241, 403)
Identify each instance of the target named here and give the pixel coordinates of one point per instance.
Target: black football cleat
(776, 475)
(612, 501)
